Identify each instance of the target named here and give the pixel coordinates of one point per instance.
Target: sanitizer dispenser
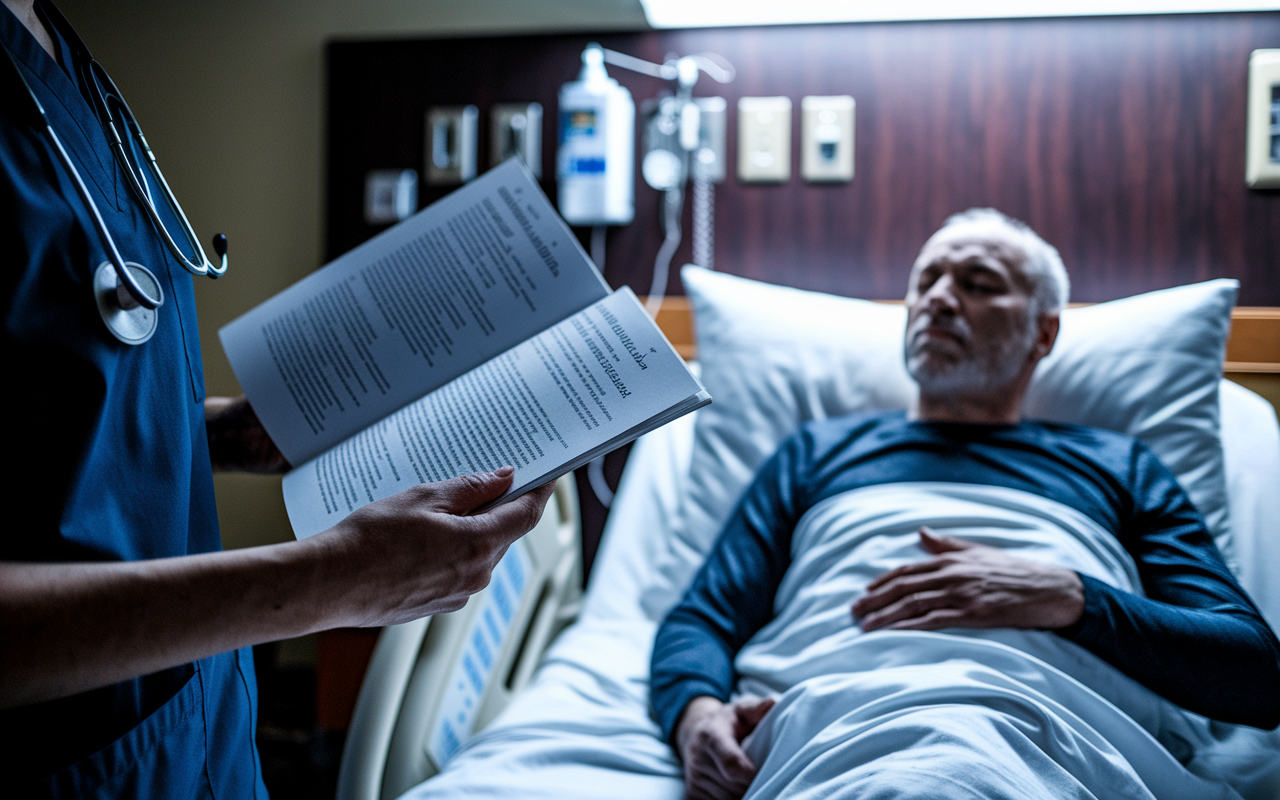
(595, 163)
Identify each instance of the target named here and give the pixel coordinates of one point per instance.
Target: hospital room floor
(299, 759)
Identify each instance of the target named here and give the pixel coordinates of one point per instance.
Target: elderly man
(984, 299)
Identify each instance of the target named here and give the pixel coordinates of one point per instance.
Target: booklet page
(410, 310)
(539, 407)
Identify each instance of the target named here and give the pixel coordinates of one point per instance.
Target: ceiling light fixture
(722, 13)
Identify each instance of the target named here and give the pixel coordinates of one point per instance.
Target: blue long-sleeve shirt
(1196, 638)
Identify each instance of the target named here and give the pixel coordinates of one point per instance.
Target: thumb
(515, 518)
(466, 493)
(749, 715)
(931, 542)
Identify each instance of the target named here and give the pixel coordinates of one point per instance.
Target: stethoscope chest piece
(128, 321)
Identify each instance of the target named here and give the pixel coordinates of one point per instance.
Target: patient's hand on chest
(966, 585)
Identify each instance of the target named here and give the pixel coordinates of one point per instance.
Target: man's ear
(1046, 335)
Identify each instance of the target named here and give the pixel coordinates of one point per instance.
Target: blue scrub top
(107, 451)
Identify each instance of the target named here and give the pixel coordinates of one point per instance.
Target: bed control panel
(474, 667)
(446, 678)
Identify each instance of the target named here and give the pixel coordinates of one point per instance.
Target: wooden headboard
(1254, 345)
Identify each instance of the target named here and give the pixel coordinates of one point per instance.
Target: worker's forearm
(66, 628)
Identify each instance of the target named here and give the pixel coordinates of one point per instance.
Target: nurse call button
(133, 325)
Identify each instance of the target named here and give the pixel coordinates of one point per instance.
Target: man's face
(969, 326)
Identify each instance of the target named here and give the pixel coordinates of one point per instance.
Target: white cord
(597, 246)
(704, 223)
(673, 204)
(600, 486)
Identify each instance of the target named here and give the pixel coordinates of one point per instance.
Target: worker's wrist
(237, 439)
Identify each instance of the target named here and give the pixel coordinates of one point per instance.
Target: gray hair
(1050, 286)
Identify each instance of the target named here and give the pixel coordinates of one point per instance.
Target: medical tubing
(618, 59)
(704, 223)
(598, 246)
(599, 486)
(673, 204)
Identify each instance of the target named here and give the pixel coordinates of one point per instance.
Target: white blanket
(998, 713)
(981, 713)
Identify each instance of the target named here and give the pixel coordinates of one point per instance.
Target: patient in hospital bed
(803, 660)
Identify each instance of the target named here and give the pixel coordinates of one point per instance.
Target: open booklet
(473, 335)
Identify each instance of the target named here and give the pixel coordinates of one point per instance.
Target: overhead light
(718, 13)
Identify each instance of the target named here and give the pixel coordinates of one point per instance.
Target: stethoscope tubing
(135, 292)
(206, 267)
(133, 295)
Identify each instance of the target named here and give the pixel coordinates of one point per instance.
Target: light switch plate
(390, 195)
(517, 131)
(1262, 160)
(764, 139)
(451, 144)
(826, 138)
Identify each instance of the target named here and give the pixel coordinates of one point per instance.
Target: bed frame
(415, 665)
(432, 663)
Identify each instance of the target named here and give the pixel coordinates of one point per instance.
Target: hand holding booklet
(474, 335)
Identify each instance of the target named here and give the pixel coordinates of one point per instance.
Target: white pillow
(774, 357)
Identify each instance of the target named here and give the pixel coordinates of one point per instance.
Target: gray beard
(987, 370)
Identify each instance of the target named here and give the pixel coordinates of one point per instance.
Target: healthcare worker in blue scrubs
(125, 668)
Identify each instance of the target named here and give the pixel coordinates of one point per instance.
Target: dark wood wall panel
(1120, 139)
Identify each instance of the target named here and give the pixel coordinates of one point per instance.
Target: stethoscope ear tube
(107, 95)
(122, 273)
(126, 307)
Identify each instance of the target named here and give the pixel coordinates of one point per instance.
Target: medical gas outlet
(826, 136)
(595, 161)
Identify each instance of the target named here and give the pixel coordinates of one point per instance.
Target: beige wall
(230, 94)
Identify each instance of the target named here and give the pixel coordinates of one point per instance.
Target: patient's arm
(1196, 638)
(732, 595)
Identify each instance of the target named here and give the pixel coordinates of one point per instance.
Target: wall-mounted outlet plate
(390, 195)
(764, 139)
(452, 133)
(516, 130)
(826, 138)
(1262, 161)
(708, 160)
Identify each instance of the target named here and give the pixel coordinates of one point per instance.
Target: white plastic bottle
(595, 163)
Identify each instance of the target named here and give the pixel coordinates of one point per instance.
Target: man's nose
(941, 296)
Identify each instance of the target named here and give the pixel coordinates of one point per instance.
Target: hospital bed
(580, 727)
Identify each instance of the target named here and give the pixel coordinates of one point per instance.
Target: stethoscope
(128, 295)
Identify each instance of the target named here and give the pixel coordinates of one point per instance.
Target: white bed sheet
(582, 729)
